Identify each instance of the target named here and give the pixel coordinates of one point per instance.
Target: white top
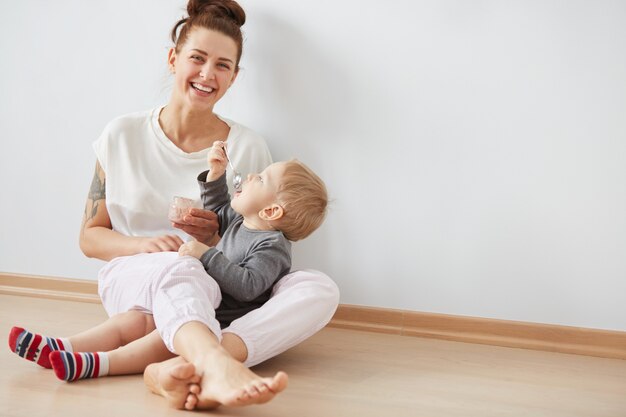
(145, 170)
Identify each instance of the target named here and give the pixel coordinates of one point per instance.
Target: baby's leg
(113, 333)
(130, 358)
(119, 330)
(134, 357)
(35, 347)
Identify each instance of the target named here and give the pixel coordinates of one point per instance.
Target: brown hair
(224, 16)
(304, 199)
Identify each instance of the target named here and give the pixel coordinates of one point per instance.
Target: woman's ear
(273, 212)
(171, 60)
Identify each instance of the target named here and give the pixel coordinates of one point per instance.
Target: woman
(145, 159)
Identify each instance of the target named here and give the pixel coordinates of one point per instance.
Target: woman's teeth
(202, 88)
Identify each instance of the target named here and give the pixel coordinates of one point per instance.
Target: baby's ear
(273, 212)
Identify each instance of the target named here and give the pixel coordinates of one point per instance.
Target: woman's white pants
(177, 290)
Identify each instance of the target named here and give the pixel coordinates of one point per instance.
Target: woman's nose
(206, 73)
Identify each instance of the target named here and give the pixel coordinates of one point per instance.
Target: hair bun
(226, 9)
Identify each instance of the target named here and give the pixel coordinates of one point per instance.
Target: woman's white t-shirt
(145, 170)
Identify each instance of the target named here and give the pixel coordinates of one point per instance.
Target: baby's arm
(214, 195)
(264, 263)
(217, 161)
(262, 266)
(193, 248)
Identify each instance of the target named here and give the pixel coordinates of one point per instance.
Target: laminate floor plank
(336, 373)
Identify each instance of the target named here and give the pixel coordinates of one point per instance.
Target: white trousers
(177, 290)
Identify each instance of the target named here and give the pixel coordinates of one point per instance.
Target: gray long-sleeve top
(245, 263)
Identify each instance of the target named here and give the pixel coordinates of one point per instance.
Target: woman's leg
(302, 303)
(184, 313)
(125, 285)
(176, 380)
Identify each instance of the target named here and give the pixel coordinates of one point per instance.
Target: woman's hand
(201, 224)
(193, 248)
(165, 243)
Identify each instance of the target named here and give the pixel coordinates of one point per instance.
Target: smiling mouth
(201, 88)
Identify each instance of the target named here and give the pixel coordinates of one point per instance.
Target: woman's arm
(98, 240)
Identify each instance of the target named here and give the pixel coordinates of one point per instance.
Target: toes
(262, 390)
(191, 402)
(262, 387)
(279, 382)
(269, 383)
(243, 395)
(256, 392)
(194, 389)
(253, 390)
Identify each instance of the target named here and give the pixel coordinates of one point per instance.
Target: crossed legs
(301, 304)
(175, 379)
(224, 380)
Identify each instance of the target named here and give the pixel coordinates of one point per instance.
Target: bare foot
(227, 381)
(174, 383)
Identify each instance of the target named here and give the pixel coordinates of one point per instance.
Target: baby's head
(286, 196)
(303, 197)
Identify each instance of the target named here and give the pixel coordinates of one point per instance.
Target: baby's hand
(193, 248)
(217, 161)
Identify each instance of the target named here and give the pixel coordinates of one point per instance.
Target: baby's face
(258, 190)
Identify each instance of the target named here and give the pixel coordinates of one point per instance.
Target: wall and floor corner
(504, 333)
(474, 150)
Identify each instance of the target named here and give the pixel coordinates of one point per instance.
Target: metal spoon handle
(230, 164)
(236, 174)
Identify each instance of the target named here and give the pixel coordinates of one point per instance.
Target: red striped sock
(35, 347)
(70, 366)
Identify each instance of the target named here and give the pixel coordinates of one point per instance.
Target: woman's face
(204, 68)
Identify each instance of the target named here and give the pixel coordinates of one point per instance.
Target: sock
(35, 347)
(70, 366)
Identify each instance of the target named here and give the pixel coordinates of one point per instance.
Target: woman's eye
(197, 58)
(224, 66)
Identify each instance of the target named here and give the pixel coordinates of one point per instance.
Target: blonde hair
(303, 197)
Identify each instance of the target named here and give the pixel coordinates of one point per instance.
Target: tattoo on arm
(97, 192)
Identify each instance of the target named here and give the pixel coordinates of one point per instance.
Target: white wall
(475, 150)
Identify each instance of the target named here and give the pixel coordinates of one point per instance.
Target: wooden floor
(335, 373)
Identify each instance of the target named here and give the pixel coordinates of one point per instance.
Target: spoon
(236, 174)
